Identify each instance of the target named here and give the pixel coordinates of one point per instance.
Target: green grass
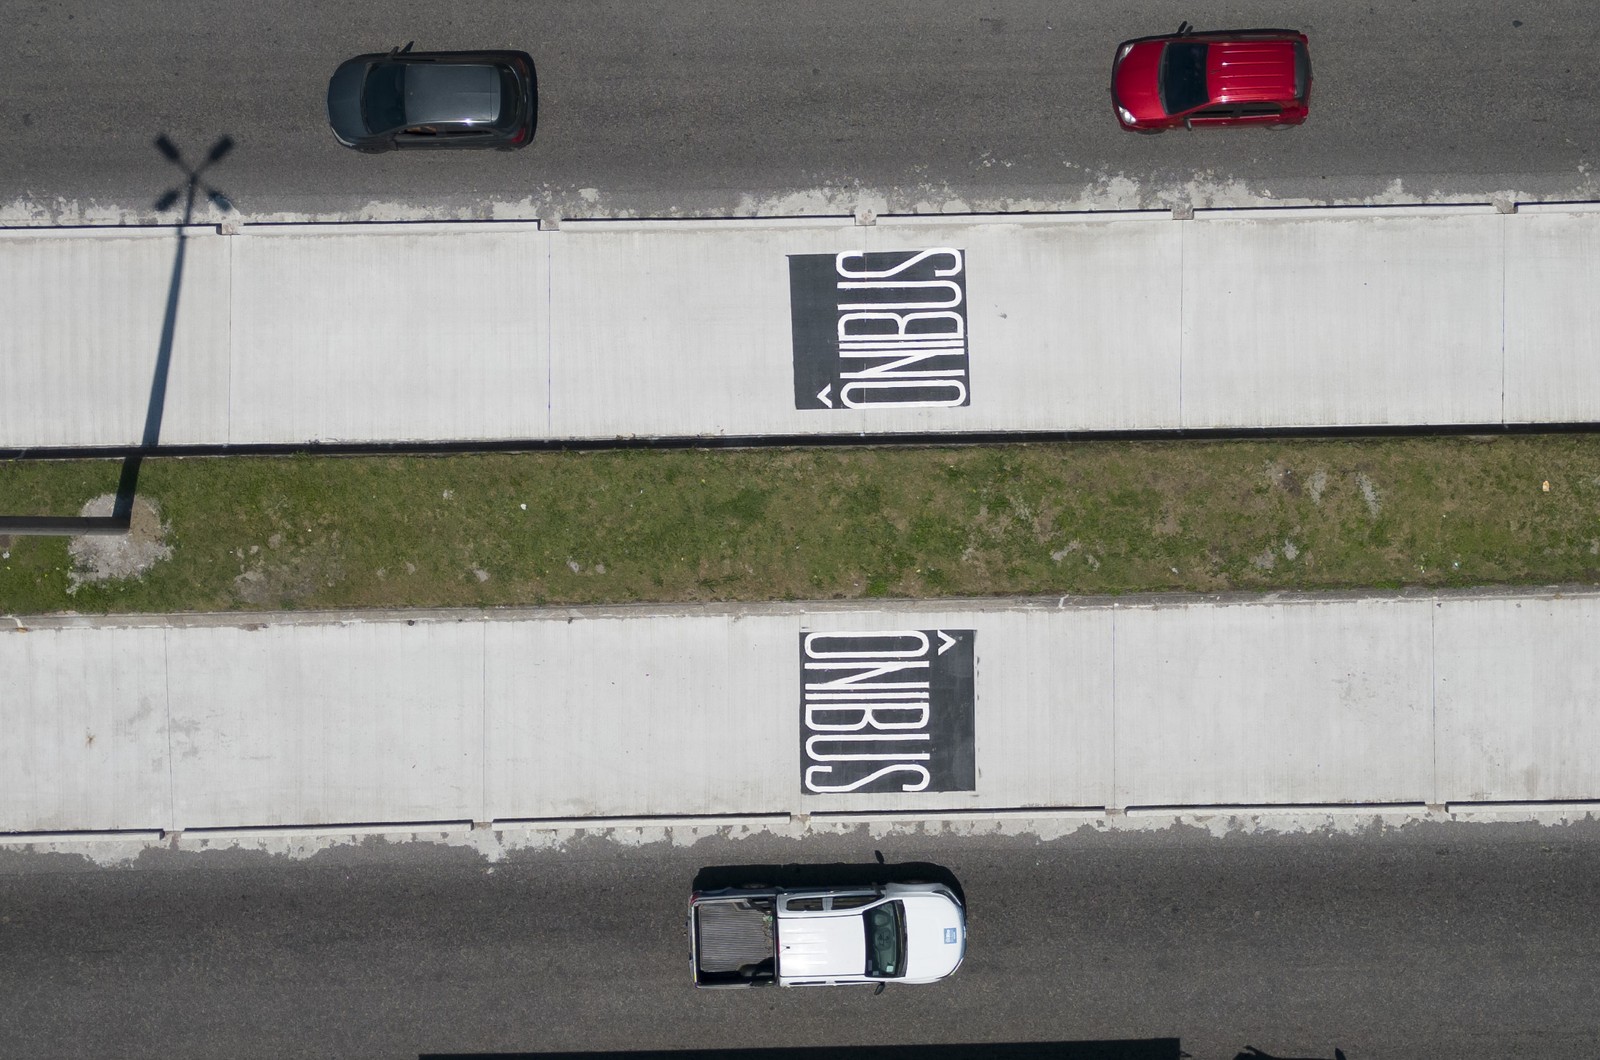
(580, 528)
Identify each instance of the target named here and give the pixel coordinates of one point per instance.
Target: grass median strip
(244, 533)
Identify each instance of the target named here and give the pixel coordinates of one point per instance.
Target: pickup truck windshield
(886, 940)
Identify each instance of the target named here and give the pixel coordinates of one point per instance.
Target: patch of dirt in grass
(1317, 483)
(115, 557)
(1284, 478)
(1167, 525)
(283, 579)
(1369, 493)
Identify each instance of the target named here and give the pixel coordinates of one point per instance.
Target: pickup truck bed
(735, 938)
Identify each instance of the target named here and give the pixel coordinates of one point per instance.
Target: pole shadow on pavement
(121, 517)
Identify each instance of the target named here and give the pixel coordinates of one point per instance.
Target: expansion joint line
(1113, 799)
(1505, 220)
(172, 824)
(1183, 246)
(1433, 701)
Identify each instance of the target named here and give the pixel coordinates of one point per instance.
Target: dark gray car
(406, 99)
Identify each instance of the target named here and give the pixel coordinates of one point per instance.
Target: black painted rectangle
(880, 329)
(887, 711)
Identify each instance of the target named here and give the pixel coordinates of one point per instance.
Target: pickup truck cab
(893, 933)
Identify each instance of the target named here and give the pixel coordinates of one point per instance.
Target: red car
(1229, 77)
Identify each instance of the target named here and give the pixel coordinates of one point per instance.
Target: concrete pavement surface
(722, 108)
(1415, 702)
(600, 331)
(1428, 942)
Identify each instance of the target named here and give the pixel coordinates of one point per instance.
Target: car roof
(1245, 71)
(822, 947)
(452, 92)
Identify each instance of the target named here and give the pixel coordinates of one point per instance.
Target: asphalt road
(726, 107)
(1432, 942)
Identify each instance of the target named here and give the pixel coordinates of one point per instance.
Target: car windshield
(1182, 81)
(383, 97)
(886, 941)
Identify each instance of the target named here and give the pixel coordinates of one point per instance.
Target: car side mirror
(881, 987)
(1184, 28)
(397, 50)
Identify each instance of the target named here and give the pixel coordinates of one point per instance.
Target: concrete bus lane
(771, 330)
(1423, 703)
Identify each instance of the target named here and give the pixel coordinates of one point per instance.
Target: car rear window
(510, 101)
(1182, 78)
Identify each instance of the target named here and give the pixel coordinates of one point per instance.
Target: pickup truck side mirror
(880, 988)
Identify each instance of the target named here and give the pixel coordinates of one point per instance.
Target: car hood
(451, 92)
(344, 100)
(1251, 71)
(936, 936)
(821, 947)
(1134, 82)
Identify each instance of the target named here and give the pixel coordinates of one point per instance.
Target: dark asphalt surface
(1430, 942)
(725, 107)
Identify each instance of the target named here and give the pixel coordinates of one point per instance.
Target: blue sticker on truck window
(950, 934)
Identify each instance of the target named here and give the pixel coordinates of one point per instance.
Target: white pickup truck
(892, 933)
